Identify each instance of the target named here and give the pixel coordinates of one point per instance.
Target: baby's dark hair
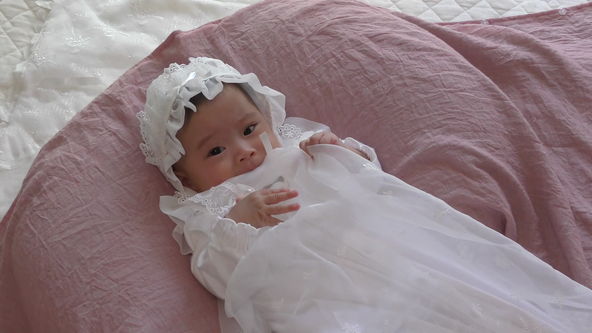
(195, 100)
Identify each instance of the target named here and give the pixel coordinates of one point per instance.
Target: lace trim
(174, 67)
(218, 200)
(289, 131)
(151, 156)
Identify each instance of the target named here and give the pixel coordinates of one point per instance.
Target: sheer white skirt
(369, 253)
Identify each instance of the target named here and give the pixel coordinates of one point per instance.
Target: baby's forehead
(236, 89)
(232, 89)
(232, 97)
(231, 106)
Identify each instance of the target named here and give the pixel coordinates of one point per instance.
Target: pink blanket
(493, 118)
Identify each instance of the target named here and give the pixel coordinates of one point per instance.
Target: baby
(358, 249)
(201, 126)
(222, 140)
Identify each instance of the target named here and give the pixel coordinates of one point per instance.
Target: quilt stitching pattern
(464, 10)
(20, 20)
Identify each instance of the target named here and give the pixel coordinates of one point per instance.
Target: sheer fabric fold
(368, 253)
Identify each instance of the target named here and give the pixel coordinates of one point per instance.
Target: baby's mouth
(253, 165)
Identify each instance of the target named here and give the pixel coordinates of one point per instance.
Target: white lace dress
(218, 243)
(367, 252)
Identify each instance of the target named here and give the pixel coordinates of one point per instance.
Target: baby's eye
(250, 129)
(216, 151)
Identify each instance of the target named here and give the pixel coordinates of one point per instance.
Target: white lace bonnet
(169, 95)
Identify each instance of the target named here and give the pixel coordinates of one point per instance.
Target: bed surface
(56, 56)
(85, 242)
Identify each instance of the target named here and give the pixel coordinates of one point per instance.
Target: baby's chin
(251, 167)
(203, 187)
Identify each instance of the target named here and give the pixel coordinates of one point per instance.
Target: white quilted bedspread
(56, 56)
(466, 10)
(20, 21)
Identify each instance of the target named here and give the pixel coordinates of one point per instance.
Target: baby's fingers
(326, 137)
(281, 209)
(314, 139)
(304, 146)
(322, 137)
(329, 137)
(277, 196)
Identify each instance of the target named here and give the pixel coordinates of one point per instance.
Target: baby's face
(221, 140)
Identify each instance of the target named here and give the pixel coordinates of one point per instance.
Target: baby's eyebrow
(203, 140)
(246, 116)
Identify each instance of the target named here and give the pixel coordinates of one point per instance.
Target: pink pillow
(460, 111)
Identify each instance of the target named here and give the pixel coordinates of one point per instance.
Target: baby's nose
(246, 154)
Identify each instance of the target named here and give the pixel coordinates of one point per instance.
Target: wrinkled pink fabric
(493, 118)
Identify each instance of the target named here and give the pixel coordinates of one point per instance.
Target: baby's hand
(327, 137)
(258, 207)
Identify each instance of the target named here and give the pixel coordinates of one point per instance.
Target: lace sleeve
(217, 243)
(297, 129)
(217, 251)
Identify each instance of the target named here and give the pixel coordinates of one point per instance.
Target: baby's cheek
(226, 170)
